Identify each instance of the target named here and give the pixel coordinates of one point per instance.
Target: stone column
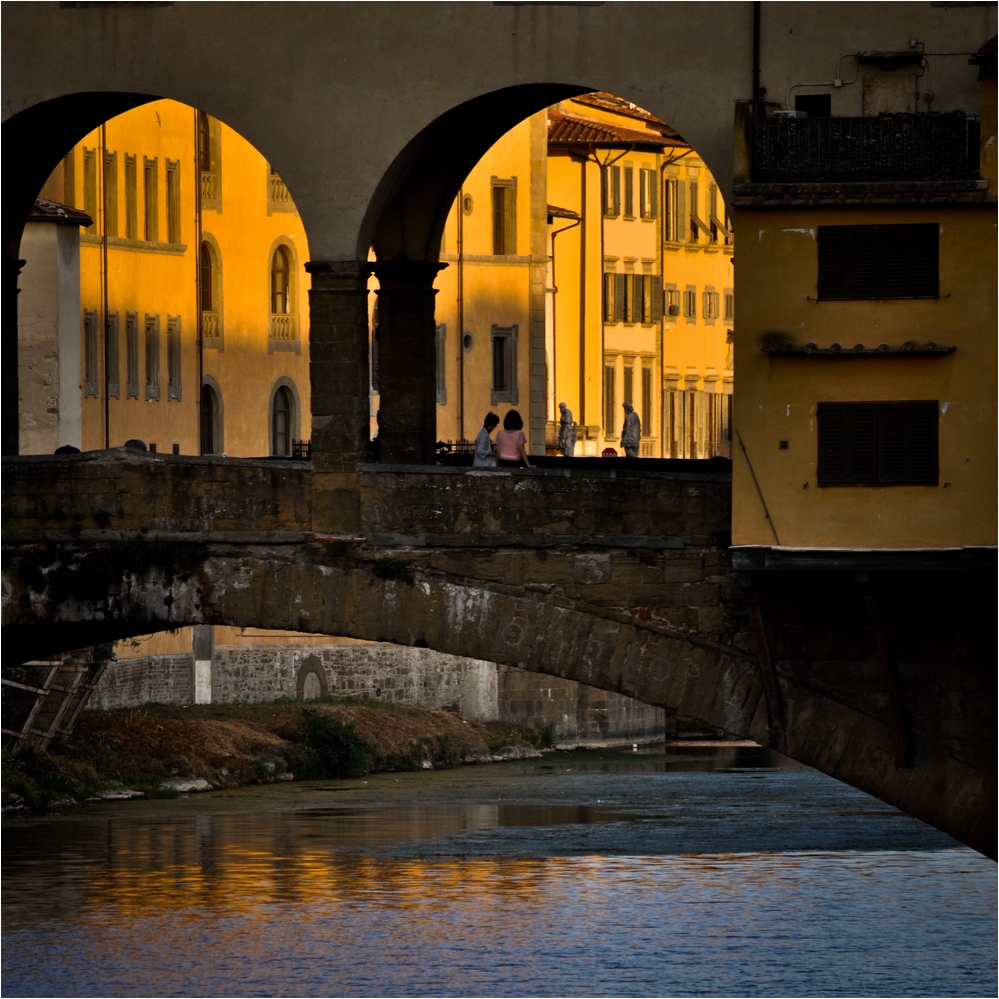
(11, 407)
(407, 362)
(338, 373)
(203, 649)
(338, 364)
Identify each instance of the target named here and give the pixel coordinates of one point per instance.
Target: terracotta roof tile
(562, 213)
(44, 210)
(568, 129)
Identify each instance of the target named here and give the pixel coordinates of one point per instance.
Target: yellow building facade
(193, 293)
(865, 416)
(642, 287)
(588, 260)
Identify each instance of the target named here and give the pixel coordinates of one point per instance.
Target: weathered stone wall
(475, 690)
(537, 507)
(63, 496)
(130, 683)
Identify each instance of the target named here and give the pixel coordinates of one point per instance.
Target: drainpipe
(555, 311)
(757, 94)
(104, 282)
(197, 282)
(582, 292)
(461, 314)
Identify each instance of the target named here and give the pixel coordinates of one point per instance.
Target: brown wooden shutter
(862, 261)
(620, 280)
(924, 429)
(657, 298)
(862, 442)
(833, 248)
(832, 468)
(924, 260)
(893, 450)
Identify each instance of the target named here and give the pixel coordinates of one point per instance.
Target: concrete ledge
(752, 558)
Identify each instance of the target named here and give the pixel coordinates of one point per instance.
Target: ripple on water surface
(472, 899)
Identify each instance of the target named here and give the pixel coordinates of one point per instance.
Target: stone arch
(310, 681)
(42, 133)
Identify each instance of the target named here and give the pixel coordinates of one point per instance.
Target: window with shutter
(504, 343)
(609, 298)
(609, 408)
(620, 296)
(879, 261)
(629, 192)
(656, 295)
(878, 443)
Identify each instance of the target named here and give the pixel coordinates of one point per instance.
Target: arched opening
(212, 422)
(571, 248)
(284, 418)
(133, 315)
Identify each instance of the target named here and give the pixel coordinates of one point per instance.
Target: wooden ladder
(59, 699)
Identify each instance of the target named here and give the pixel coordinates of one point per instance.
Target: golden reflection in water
(219, 863)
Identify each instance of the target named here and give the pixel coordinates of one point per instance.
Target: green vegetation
(330, 749)
(235, 744)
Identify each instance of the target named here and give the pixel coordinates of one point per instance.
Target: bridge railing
(63, 496)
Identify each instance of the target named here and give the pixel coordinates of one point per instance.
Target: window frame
(504, 216)
(855, 440)
(132, 355)
(152, 338)
(91, 363)
(504, 339)
(878, 262)
(112, 355)
(175, 371)
(150, 199)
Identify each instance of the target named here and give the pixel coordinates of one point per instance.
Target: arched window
(207, 279)
(211, 420)
(282, 412)
(281, 282)
(204, 143)
(211, 294)
(283, 330)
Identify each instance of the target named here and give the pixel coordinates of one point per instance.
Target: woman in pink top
(511, 451)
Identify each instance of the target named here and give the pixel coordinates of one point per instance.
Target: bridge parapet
(121, 490)
(543, 507)
(68, 496)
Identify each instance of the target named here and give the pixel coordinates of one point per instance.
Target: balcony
(210, 326)
(896, 157)
(209, 185)
(282, 333)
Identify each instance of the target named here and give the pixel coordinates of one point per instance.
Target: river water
(692, 872)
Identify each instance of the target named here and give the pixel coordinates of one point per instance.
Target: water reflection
(529, 896)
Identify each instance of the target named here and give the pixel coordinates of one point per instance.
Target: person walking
(484, 455)
(511, 444)
(632, 432)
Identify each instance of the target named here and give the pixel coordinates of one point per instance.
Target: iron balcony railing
(885, 148)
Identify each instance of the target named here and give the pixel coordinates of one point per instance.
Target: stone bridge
(622, 580)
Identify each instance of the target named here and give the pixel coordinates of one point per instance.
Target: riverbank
(159, 751)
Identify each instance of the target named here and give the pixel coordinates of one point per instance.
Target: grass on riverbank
(232, 745)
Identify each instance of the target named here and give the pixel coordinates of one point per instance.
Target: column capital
(406, 275)
(338, 275)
